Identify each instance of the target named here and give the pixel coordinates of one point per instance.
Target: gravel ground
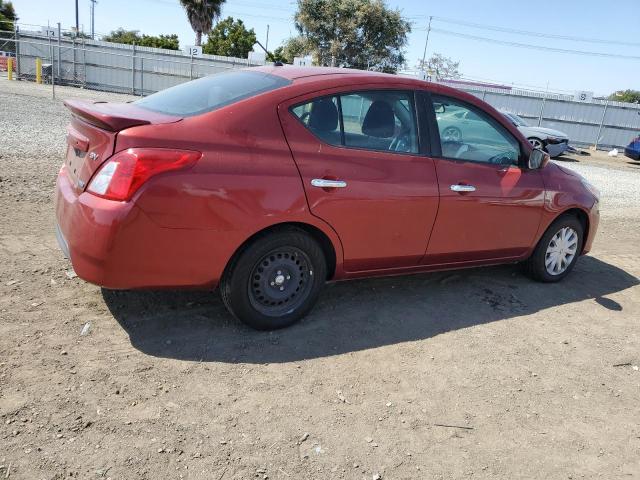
(620, 187)
(473, 374)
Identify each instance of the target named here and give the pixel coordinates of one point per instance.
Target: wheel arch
(316, 233)
(582, 217)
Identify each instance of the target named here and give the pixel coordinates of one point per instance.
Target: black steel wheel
(275, 280)
(280, 281)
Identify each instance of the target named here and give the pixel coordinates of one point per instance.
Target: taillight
(124, 173)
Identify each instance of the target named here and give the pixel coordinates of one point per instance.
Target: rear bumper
(62, 242)
(633, 154)
(116, 245)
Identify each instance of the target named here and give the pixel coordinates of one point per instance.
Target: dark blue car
(633, 149)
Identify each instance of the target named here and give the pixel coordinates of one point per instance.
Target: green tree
(278, 55)
(230, 38)
(170, 42)
(7, 16)
(294, 47)
(629, 96)
(440, 66)
(363, 34)
(201, 14)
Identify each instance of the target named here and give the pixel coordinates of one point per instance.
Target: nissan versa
(266, 182)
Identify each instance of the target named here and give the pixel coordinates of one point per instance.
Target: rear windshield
(209, 93)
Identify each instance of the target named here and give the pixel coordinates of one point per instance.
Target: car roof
(319, 76)
(291, 72)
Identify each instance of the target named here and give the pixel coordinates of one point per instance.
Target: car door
(490, 204)
(365, 172)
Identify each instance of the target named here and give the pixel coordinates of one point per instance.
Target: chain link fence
(105, 66)
(600, 123)
(70, 60)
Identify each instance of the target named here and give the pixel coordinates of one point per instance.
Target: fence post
(53, 78)
(84, 61)
(141, 76)
(75, 73)
(191, 66)
(38, 70)
(484, 94)
(544, 99)
(133, 70)
(17, 34)
(604, 113)
(59, 52)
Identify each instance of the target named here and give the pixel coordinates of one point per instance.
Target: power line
(533, 47)
(536, 34)
(241, 14)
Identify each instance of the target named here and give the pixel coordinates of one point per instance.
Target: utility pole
(266, 44)
(77, 21)
(93, 18)
(426, 43)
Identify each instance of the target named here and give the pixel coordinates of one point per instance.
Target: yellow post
(10, 68)
(38, 70)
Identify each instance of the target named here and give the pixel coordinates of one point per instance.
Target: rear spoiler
(115, 116)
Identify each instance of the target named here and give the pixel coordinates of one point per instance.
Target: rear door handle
(463, 188)
(324, 183)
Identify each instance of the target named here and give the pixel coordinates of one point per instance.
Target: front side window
(211, 92)
(472, 135)
(382, 120)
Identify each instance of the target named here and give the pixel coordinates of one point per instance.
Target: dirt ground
(472, 374)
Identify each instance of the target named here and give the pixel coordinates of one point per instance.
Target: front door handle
(463, 188)
(324, 183)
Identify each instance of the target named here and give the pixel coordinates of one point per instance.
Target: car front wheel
(557, 251)
(276, 280)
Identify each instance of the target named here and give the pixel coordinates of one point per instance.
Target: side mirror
(538, 159)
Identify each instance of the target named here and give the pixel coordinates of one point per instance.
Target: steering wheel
(401, 142)
(459, 146)
(501, 159)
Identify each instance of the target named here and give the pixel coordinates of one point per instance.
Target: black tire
(275, 280)
(536, 267)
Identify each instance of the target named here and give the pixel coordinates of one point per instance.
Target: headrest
(324, 115)
(379, 121)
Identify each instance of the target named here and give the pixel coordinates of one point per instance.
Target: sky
(608, 26)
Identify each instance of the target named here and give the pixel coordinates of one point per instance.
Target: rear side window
(211, 92)
(382, 120)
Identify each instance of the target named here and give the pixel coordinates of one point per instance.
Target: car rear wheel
(557, 251)
(275, 281)
(536, 143)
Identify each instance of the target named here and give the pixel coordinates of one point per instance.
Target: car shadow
(355, 315)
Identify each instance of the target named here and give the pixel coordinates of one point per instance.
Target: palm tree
(200, 14)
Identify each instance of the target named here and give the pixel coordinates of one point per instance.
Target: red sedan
(266, 182)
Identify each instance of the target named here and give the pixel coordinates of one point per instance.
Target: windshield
(516, 119)
(211, 92)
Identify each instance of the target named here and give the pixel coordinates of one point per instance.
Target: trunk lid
(91, 135)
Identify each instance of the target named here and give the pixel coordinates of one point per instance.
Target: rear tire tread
(233, 282)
